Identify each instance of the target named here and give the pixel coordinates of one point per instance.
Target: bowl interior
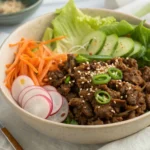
(34, 30)
(78, 134)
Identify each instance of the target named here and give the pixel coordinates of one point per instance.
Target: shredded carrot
(47, 50)
(30, 53)
(25, 44)
(29, 64)
(8, 78)
(8, 65)
(45, 70)
(53, 40)
(35, 60)
(33, 76)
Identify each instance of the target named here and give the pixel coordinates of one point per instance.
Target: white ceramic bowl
(71, 133)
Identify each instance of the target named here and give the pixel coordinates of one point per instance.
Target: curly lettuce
(75, 25)
(119, 28)
(97, 22)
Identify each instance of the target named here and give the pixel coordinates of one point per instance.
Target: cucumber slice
(110, 45)
(137, 49)
(125, 47)
(94, 41)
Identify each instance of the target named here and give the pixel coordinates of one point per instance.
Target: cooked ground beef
(130, 97)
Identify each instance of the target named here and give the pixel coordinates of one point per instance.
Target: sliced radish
(57, 101)
(34, 92)
(23, 92)
(62, 114)
(49, 88)
(39, 105)
(19, 84)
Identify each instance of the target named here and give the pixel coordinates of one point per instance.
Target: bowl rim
(23, 10)
(27, 114)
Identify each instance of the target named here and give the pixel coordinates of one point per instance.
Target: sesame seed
(121, 97)
(130, 88)
(50, 78)
(112, 111)
(99, 107)
(88, 94)
(82, 82)
(81, 96)
(74, 67)
(126, 96)
(114, 102)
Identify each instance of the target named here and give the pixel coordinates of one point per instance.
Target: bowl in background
(18, 17)
(90, 134)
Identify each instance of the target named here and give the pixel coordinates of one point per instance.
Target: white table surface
(25, 135)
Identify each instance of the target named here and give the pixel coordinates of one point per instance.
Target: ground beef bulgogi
(130, 97)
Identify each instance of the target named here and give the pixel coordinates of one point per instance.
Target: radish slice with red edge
(19, 84)
(34, 92)
(39, 105)
(57, 101)
(23, 92)
(62, 114)
(49, 88)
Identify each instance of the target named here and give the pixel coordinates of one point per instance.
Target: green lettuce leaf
(141, 34)
(48, 34)
(67, 23)
(97, 22)
(120, 28)
(70, 121)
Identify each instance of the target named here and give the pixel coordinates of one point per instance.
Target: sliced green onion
(81, 59)
(102, 97)
(101, 79)
(67, 79)
(115, 73)
(97, 57)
